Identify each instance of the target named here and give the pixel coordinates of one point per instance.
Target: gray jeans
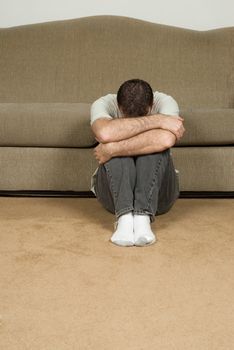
(144, 184)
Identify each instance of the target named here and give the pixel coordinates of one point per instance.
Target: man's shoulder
(108, 97)
(165, 104)
(104, 106)
(159, 95)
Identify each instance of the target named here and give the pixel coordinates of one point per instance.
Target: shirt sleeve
(100, 109)
(169, 106)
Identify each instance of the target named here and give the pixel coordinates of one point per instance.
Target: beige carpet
(64, 285)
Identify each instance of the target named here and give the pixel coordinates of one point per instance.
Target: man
(136, 178)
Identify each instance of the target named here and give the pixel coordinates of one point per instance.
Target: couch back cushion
(79, 60)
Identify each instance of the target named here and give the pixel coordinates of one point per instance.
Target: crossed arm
(150, 141)
(143, 142)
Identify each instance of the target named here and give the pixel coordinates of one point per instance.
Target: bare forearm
(123, 128)
(147, 142)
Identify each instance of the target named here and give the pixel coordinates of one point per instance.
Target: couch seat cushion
(46, 124)
(61, 124)
(207, 126)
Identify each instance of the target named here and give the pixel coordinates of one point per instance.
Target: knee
(149, 157)
(117, 161)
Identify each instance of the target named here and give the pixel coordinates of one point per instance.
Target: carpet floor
(65, 286)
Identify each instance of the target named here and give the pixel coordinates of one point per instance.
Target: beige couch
(51, 72)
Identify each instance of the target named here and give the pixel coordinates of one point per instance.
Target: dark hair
(134, 97)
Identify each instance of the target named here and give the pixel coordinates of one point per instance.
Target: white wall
(196, 14)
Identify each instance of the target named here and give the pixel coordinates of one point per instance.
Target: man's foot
(124, 234)
(142, 230)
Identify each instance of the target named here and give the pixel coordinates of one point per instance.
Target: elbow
(103, 137)
(170, 140)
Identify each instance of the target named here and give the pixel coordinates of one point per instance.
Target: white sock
(124, 234)
(142, 229)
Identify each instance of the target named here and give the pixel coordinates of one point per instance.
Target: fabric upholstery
(51, 72)
(67, 125)
(78, 60)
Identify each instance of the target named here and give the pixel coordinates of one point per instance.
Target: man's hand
(103, 152)
(173, 124)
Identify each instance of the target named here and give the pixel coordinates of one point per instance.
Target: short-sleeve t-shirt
(107, 107)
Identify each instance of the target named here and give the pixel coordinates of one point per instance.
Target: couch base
(89, 194)
(69, 169)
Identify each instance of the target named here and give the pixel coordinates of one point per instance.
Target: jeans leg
(170, 189)
(102, 189)
(155, 189)
(115, 184)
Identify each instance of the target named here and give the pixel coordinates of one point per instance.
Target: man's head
(135, 98)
